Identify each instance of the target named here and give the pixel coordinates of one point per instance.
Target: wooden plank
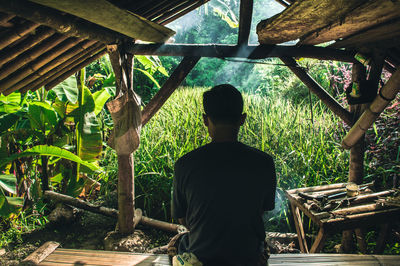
(104, 13)
(65, 24)
(41, 253)
(314, 87)
(382, 32)
(300, 18)
(168, 88)
(299, 228)
(246, 13)
(371, 13)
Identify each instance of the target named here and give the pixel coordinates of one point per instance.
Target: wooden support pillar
(356, 168)
(324, 96)
(125, 112)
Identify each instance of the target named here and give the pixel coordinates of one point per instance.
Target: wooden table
(49, 254)
(334, 212)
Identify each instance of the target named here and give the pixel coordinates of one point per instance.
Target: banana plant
(8, 204)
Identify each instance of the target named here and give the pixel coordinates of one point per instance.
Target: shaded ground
(86, 232)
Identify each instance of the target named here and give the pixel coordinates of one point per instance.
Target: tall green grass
(306, 152)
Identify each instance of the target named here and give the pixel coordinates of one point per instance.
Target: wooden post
(126, 194)
(356, 168)
(122, 64)
(41, 253)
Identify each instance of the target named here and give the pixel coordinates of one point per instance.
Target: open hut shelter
(43, 42)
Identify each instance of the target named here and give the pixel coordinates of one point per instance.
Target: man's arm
(269, 200)
(179, 205)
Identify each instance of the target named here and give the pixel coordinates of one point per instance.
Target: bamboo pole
(59, 70)
(4, 18)
(109, 211)
(170, 10)
(241, 51)
(283, 3)
(51, 65)
(385, 96)
(246, 13)
(65, 24)
(168, 88)
(37, 64)
(327, 99)
(181, 13)
(31, 55)
(51, 84)
(17, 33)
(11, 53)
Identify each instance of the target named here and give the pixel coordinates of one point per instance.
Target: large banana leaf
(67, 90)
(100, 98)
(11, 103)
(42, 116)
(8, 183)
(9, 205)
(46, 150)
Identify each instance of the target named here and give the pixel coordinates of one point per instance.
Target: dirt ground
(87, 231)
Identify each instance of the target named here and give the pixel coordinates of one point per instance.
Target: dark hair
(223, 104)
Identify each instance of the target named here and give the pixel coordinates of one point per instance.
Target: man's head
(223, 107)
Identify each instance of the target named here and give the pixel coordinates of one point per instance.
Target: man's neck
(224, 136)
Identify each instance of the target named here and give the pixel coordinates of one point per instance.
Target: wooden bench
(49, 254)
(333, 211)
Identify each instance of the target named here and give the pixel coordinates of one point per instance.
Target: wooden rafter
(17, 33)
(65, 24)
(251, 52)
(246, 13)
(9, 54)
(181, 13)
(283, 3)
(62, 68)
(324, 96)
(74, 69)
(103, 13)
(168, 88)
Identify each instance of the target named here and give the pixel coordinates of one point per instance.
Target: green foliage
(9, 205)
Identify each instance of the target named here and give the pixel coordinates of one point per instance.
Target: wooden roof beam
(244, 51)
(64, 67)
(10, 53)
(4, 18)
(168, 88)
(314, 87)
(73, 70)
(64, 24)
(17, 33)
(34, 66)
(103, 13)
(385, 96)
(31, 55)
(181, 13)
(246, 13)
(76, 49)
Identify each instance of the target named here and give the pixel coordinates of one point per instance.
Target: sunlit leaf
(67, 90)
(100, 98)
(8, 183)
(11, 103)
(46, 150)
(149, 76)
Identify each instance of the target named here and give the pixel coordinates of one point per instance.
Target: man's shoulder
(192, 155)
(257, 153)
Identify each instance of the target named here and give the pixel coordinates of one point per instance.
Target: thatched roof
(362, 25)
(41, 45)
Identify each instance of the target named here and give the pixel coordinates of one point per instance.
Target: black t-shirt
(222, 189)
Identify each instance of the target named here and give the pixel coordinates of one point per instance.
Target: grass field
(307, 152)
